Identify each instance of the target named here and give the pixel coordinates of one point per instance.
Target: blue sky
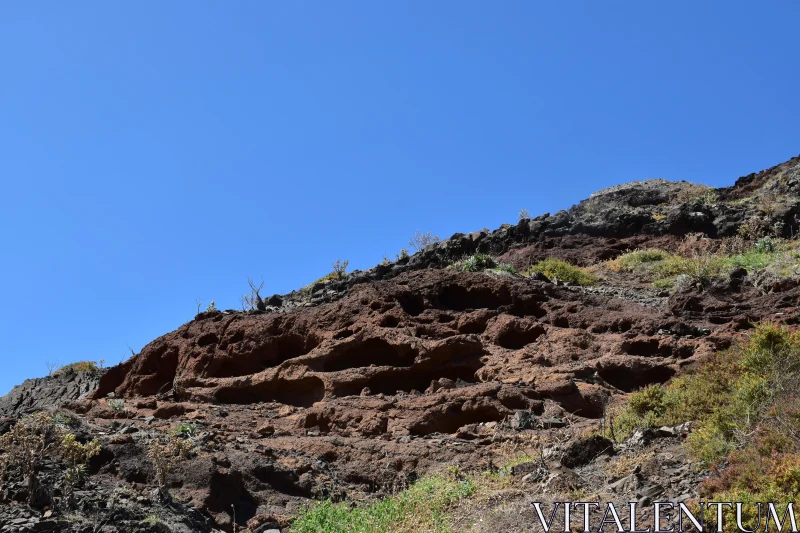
(155, 153)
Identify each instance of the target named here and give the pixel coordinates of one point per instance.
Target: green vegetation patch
(422, 507)
(556, 268)
(727, 396)
(746, 410)
(665, 269)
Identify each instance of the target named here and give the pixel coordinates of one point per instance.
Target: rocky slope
(355, 387)
(42, 393)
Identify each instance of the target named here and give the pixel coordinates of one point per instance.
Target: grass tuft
(79, 366)
(556, 268)
(482, 263)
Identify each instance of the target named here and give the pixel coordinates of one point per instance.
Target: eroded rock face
(429, 368)
(385, 339)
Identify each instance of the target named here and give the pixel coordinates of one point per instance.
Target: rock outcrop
(43, 393)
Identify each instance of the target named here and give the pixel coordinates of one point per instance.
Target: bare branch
(52, 367)
(253, 301)
(420, 240)
(340, 267)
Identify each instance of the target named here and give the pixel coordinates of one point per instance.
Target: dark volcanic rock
(44, 393)
(584, 450)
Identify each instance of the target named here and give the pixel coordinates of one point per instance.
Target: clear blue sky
(152, 153)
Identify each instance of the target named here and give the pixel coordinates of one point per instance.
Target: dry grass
(625, 465)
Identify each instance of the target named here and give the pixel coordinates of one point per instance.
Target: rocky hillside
(477, 349)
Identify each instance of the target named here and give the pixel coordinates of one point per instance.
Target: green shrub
(765, 245)
(556, 268)
(650, 399)
(727, 396)
(707, 198)
(746, 410)
(185, 430)
(116, 404)
(477, 262)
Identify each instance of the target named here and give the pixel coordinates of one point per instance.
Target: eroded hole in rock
(345, 333)
(516, 338)
(374, 351)
(621, 325)
(719, 319)
(250, 358)
(455, 415)
(302, 392)
(227, 492)
(423, 331)
(642, 347)
(458, 298)
(629, 379)
(134, 475)
(393, 381)
(208, 338)
(363, 479)
(685, 351)
(284, 481)
(528, 307)
(473, 325)
(236, 337)
(103, 458)
(413, 304)
(389, 321)
(520, 400)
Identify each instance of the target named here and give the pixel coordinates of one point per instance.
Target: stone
(551, 423)
(585, 449)
(523, 420)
